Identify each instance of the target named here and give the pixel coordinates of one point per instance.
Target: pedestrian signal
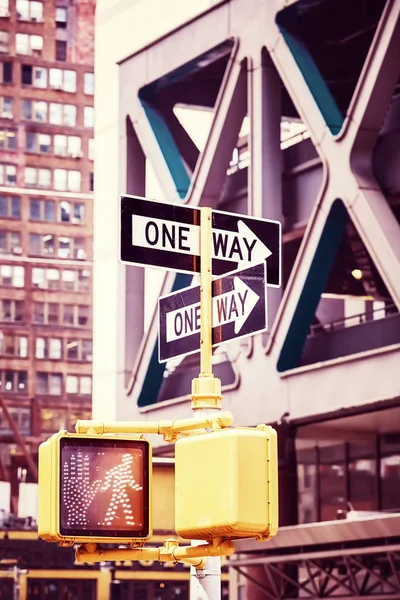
(94, 487)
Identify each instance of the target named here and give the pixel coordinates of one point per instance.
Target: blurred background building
(46, 225)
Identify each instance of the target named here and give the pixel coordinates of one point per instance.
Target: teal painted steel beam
(314, 286)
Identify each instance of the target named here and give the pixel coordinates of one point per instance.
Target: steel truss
(372, 573)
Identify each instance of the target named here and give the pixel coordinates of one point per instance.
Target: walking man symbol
(120, 478)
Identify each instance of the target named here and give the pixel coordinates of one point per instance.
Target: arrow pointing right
(235, 306)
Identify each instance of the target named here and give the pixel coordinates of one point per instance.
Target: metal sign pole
(205, 584)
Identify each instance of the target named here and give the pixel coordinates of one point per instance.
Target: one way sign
(239, 309)
(168, 236)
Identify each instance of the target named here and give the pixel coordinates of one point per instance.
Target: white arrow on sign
(234, 306)
(242, 247)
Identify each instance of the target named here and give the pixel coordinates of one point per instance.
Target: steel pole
(205, 584)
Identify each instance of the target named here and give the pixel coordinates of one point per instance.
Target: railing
(358, 319)
(338, 340)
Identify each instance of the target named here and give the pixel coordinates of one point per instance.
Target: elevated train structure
(325, 374)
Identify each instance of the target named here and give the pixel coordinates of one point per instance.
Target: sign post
(205, 583)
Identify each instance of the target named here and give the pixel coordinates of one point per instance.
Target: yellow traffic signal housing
(94, 487)
(226, 484)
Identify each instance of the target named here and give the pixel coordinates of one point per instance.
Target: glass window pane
(34, 210)
(56, 112)
(44, 178)
(35, 243)
(40, 77)
(74, 181)
(69, 81)
(38, 278)
(64, 247)
(56, 78)
(53, 313)
(38, 312)
(87, 350)
(69, 115)
(86, 385)
(30, 176)
(88, 116)
(390, 478)
(332, 474)
(15, 207)
(3, 206)
(60, 179)
(72, 384)
(27, 109)
(49, 210)
(68, 318)
(89, 83)
(40, 112)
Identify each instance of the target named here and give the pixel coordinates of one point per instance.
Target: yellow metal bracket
(169, 429)
(170, 551)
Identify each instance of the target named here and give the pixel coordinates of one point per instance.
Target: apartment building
(46, 208)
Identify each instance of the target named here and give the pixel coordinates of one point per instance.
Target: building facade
(46, 224)
(326, 373)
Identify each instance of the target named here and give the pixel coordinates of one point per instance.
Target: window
(8, 140)
(67, 180)
(42, 245)
(62, 114)
(61, 17)
(28, 44)
(21, 417)
(33, 110)
(69, 115)
(4, 45)
(49, 383)
(39, 143)
(42, 210)
(79, 350)
(8, 174)
(6, 108)
(13, 276)
(83, 280)
(91, 182)
(88, 116)
(67, 145)
(77, 280)
(45, 279)
(64, 247)
(72, 212)
(10, 206)
(61, 50)
(52, 420)
(29, 10)
(77, 316)
(48, 348)
(45, 313)
(13, 345)
(12, 311)
(83, 316)
(4, 8)
(40, 178)
(79, 384)
(14, 381)
(88, 83)
(6, 71)
(60, 79)
(10, 242)
(36, 76)
(91, 149)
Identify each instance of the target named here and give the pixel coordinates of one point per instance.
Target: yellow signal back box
(226, 484)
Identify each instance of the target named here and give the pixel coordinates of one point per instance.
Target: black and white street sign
(239, 308)
(168, 236)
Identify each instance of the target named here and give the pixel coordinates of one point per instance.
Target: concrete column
(133, 180)
(265, 171)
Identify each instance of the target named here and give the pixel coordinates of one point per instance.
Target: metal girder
(349, 573)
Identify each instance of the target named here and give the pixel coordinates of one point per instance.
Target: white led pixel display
(102, 489)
